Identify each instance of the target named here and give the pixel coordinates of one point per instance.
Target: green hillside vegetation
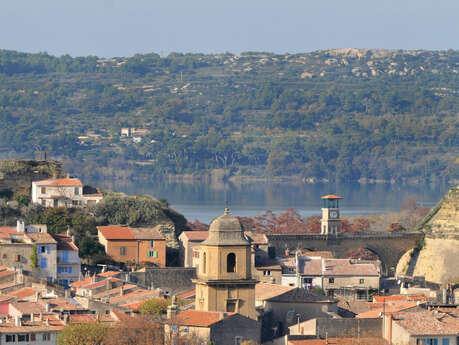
(334, 114)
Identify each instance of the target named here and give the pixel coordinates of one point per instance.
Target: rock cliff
(436, 260)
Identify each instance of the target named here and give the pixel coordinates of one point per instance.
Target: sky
(108, 28)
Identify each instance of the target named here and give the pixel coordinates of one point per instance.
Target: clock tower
(331, 223)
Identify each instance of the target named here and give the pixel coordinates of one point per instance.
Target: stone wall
(17, 255)
(348, 328)
(171, 280)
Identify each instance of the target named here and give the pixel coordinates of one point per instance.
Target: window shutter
(70, 269)
(47, 249)
(148, 254)
(155, 254)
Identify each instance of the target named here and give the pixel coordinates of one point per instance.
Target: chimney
(17, 321)
(37, 296)
(108, 285)
(66, 319)
(32, 317)
(47, 307)
(121, 290)
(47, 321)
(20, 226)
(444, 296)
(67, 293)
(68, 231)
(287, 252)
(172, 309)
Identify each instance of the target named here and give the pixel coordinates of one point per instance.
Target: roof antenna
(226, 202)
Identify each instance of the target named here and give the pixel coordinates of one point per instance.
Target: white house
(65, 192)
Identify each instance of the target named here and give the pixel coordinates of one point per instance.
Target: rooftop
(63, 182)
(299, 295)
(440, 321)
(264, 291)
(199, 318)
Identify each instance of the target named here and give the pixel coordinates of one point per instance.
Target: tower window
(204, 263)
(231, 263)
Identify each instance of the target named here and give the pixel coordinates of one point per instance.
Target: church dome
(225, 230)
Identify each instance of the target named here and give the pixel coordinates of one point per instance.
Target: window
(307, 281)
(238, 340)
(231, 263)
(291, 269)
(266, 272)
(43, 263)
(43, 202)
(55, 202)
(152, 243)
(42, 249)
(428, 341)
(23, 337)
(204, 263)
(43, 190)
(445, 341)
(64, 269)
(18, 257)
(74, 202)
(77, 190)
(65, 256)
(361, 281)
(46, 336)
(10, 338)
(331, 280)
(152, 254)
(231, 306)
(33, 337)
(122, 251)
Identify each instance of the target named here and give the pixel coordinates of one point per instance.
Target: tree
(92, 333)
(154, 307)
(137, 330)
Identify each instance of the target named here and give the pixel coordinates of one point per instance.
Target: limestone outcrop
(437, 259)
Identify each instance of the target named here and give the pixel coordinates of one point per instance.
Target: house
(64, 192)
(437, 326)
(68, 260)
(352, 279)
(133, 245)
(188, 240)
(298, 305)
(31, 248)
(213, 327)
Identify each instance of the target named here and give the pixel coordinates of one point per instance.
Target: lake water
(203, 201)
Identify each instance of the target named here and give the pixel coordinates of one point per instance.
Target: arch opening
(231, 263)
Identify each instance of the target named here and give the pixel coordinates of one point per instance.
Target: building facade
(133, 245)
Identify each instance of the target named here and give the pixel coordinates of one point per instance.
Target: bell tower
(331, 222)
(224, 278)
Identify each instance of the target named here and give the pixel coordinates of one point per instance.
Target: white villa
(65, 192)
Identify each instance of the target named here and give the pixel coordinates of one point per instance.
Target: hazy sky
(125, 27)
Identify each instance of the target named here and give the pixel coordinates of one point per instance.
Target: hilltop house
(65, 192)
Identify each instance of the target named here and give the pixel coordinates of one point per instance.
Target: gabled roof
(116, 232)
(298, 295)
(196, 235)
(199, 318)
(331, 197)
(393, 308)
(350, 267)
(264, 291)
(65, 242)
(441, 321)
(120, 232)
(63, 182)
(41, 237)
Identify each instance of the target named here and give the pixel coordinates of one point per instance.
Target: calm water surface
(205, 201)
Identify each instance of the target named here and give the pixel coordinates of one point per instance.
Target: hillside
(437, 258)
(348, 114)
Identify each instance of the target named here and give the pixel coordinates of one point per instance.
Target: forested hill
(344, 114)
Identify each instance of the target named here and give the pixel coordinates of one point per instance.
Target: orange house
(133, 245)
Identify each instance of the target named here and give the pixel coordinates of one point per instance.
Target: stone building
(224, 278)
(331, 223)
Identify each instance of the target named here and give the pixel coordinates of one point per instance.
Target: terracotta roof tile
(116, 232)
(63, 182)
(199, 318)
(398, 298)
(109, 274)
(81, 283)
(147, 233)
(340, 341)
(41, 237)
(264, 291)
(187, 294)
(344, 267)
(196, 235)
(64, 242)
(331, 196)
(23, 293)
(392, 308)
(435, 322)
(95, 285)
(299, 295)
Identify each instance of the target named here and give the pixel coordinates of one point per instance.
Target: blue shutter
(69, 269)
(65, 256)
(47, 249)
(155, 254)
(43, 263)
